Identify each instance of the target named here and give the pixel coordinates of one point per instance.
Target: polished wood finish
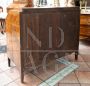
(85, 25)
(13, 33)
(13, 37)
(38, 21)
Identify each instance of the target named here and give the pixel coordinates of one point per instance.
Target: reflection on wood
(85, 25)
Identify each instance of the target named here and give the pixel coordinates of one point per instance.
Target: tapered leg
(76, 55)
(22, 78)
(9, 62)
(22, 67)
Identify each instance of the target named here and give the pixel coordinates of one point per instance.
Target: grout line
(69, 83)
(77, 78)
(7, 69)
(83, 57)
(61, 83)
(12, 81)
(86, 62)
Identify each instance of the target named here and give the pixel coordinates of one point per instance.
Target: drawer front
(85, 31)
(85, 19)
(88, 31)
(85, 25)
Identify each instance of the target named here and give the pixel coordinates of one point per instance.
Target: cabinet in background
(85, 25)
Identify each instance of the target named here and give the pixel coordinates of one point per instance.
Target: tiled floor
(80, 77)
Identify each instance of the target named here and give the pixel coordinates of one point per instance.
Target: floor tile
(68, 85)
(85, 51)
(86, 57)
(2, 39)
(12, 84)
(83, 77)
(11, 76)
(1, 71)
(84, 44)
(13, 73)
(85, 84)
(82, 66)
(71, 78)
(72, 58)
(4, 79)
(88, 63)
(49, 71)
(3, 57)
(4, 65)
(29, 80)
(84, 47)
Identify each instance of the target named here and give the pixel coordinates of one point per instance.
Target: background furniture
(13, 32)
(85, 25)
(3, 5)
(85, 21)
(62, 23)
(2, 20)
(16, 6)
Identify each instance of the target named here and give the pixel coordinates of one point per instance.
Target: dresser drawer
(85, 31)
(84, 20)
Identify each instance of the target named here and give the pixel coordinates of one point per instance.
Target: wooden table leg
(76, 55)
(9, 62)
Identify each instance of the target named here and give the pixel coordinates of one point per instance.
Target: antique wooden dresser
(38, 33)
(85, 21)
(85, 25)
